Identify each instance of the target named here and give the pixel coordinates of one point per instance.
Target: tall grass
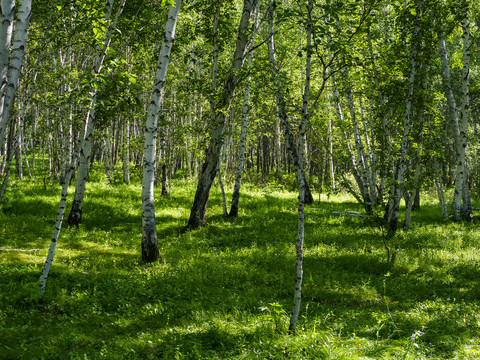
(225, 290)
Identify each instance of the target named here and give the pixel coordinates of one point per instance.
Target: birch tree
(150, 250)
(297, 298)
(461, 177)
(75, 216)
(407, 124)
(58, 226)
(11, 73)
(282, 105)
(243, 138)
(210, 165)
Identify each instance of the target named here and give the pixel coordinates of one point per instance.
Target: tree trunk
(439, 187)
(75, 216)
(462, 175)
(58, 226)
(126, 151)
(8, 88)
(407, 123)
(416, 183)
(150, 251)
(209, 168)
(301, 180)
(281, 107)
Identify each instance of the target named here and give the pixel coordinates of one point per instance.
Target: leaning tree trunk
(366, 184)
(243, 140)
(75, 216)
(209, 168)
(281, 106)
(58, 226)
(7, 91)
(150, 251)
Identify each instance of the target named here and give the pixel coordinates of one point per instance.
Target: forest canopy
(375, 100)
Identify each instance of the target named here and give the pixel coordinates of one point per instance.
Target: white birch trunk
(7, 11)
(439, 187)
(462, 176)
(278, 150)
(58, 227)
(126, 152)
(281, 106)
(75, 216)
(243, 139)
(360, 150)
(209, 169)
(297, 299)
(150, 251)
(15, 63)
(330, 155)
(411, 201)
(407, 123)
(369, 157)
(6, 169)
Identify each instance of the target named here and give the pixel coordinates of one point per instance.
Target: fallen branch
(19, 250)
(350, 213)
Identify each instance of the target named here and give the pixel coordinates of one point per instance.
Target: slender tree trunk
(301, 180)
(462, 174)
(243, 139)
(126, 151)
(416, 182)
(150, 251)
(8, 158)
(75, 216)
(330, 154)
(58, 226)
(407, 124)
(281, 107)
(439, 187)
(209, 168)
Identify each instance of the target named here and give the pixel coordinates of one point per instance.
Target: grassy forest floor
(225, 291)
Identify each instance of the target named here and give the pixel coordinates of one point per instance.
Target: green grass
(226, 290)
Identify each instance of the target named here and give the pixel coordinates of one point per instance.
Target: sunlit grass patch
(226, 290)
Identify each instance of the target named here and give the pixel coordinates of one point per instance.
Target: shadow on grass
(104, 297)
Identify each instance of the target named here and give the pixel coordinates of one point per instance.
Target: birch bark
(150, 251)
(439, 187)
(365, 185)
(7, 10)
(407, 123)
(126, 151)
(462, 175)
(75, 216)
(209, 168)
(281, 106)
(15, 62)
(58, 226)
(301, 179)
(243, 138)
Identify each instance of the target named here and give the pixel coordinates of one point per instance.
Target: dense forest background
(308, 102)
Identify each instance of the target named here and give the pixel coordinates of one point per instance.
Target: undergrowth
(225, 291)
